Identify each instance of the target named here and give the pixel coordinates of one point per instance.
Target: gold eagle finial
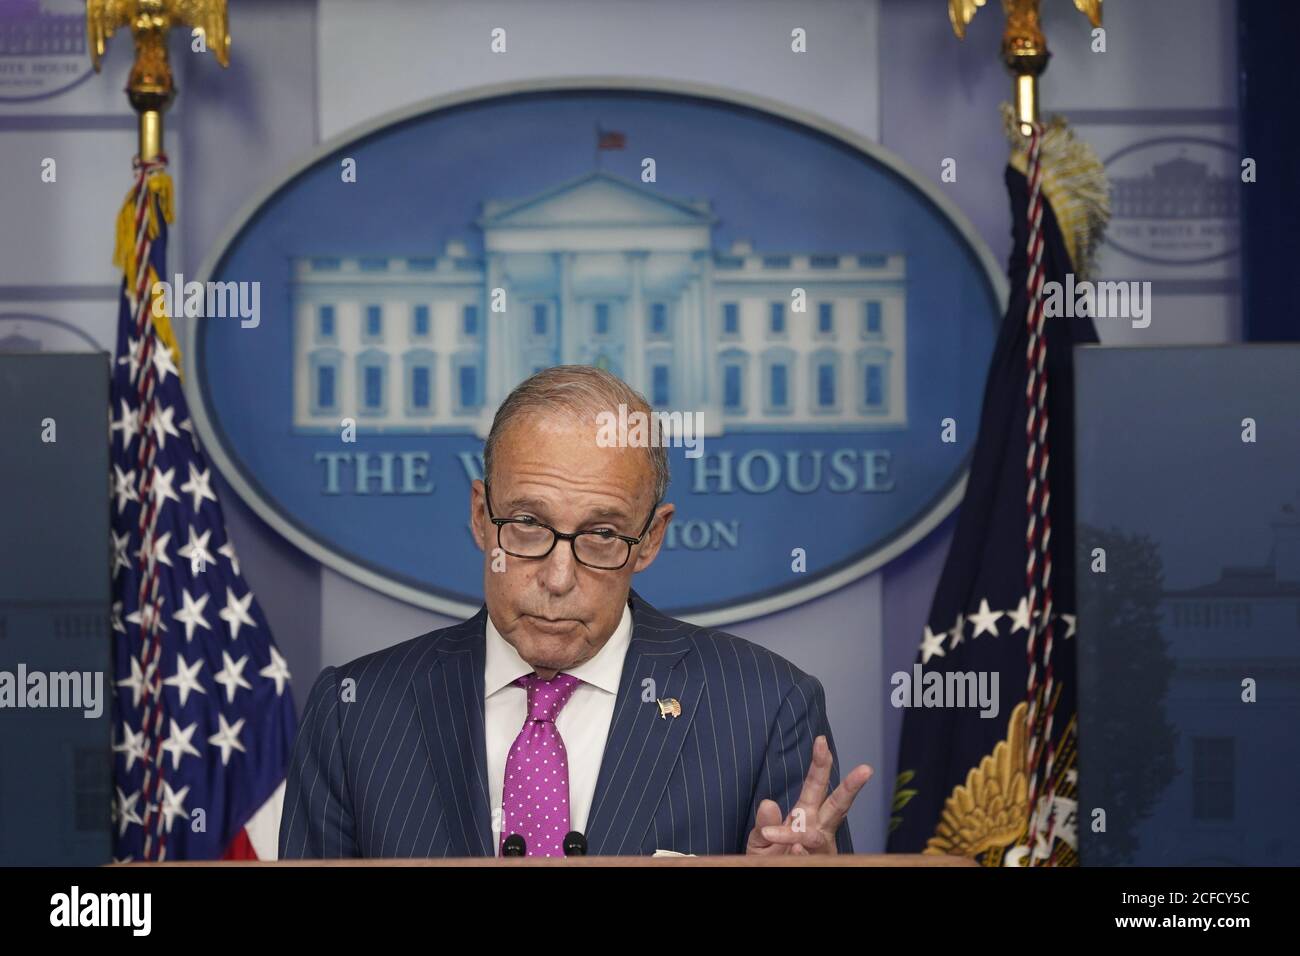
(961, 12)
(1024, 47)
(151, 19)
(150, 86)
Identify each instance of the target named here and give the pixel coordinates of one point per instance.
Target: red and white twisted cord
(1038, 532)
(144, 381)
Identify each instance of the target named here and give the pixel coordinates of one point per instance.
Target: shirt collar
(504, 665)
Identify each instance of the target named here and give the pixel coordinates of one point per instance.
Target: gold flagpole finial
(151, 87)
(1024, 47)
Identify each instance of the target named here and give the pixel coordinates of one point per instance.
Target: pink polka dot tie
(535, 798)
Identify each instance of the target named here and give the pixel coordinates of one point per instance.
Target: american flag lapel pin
(669, 705)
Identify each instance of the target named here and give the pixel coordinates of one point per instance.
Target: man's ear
(654, 537)
(478, 519)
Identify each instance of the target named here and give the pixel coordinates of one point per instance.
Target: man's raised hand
(815, 818)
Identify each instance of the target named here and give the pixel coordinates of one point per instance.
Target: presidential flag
(987, 764)
(203, 717)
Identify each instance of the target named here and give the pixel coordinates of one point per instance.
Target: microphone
(575, 844)
(514, 846)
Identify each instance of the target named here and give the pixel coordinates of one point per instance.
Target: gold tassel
(160, 200)
(1074, 182)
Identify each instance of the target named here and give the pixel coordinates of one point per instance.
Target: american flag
(203, 716)
(610, 139)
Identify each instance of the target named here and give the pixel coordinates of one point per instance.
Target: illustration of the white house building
(42, 28)
(606, 272)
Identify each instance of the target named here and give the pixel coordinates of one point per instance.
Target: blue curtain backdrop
(1271, 136)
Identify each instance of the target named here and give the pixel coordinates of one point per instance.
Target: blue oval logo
(820, 309)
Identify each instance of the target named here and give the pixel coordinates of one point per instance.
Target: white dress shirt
(583, 722)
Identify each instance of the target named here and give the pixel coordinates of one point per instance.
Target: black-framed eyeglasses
(603, 549)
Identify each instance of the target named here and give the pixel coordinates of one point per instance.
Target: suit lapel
(642, 746)
(450, 700)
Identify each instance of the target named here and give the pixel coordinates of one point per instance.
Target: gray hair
(580, 392)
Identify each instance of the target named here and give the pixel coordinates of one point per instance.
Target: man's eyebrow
(609, 513)
(536, 504)
(527, 504)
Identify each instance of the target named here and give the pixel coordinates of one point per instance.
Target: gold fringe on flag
(160, 201)
(1074, 182)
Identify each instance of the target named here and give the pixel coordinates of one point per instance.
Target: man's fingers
(818, 778)
(768, 814)
(815, 818)
(838, 803)
(788, 836)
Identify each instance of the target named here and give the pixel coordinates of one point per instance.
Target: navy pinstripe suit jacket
(398, 768)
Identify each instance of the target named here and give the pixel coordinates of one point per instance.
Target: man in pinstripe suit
(649, 733)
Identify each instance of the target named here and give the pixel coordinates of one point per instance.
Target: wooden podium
(732, 860)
